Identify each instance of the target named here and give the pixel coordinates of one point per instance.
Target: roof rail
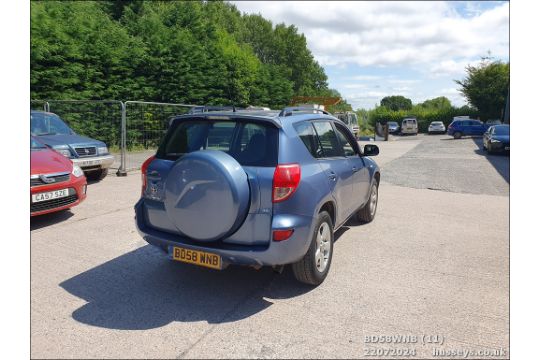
(209, 108)
(288, 111)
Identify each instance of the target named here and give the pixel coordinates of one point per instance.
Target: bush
(424, 115)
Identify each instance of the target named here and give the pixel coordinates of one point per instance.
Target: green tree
(197, 52)
(440, 102)
(396, 102)
(486, 87)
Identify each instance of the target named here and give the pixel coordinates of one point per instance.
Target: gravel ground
(99, 291)
(439, 162)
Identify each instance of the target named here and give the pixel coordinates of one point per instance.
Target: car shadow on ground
(144, 290)
(40, 221)
(500, 161)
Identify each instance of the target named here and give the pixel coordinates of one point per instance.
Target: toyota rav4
(256, 189)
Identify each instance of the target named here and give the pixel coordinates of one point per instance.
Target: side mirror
(371, 150)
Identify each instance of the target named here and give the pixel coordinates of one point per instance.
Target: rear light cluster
(285, 183)
(280, 235)
(144, 169)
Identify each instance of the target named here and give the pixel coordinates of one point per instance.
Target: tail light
(144, 168)
(286, 180)
(280, 235)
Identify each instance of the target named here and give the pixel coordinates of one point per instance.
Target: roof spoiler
(288, 111)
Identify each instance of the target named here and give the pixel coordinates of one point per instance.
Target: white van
(350, 119)
(409, 126)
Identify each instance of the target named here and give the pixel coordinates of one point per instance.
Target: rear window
(251, 144)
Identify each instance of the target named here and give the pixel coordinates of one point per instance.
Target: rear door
(337, 167)
(477, 128)
(467, 127)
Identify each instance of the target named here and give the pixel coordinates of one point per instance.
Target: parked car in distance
(393, 127)
(55, 182)
(351, 120)
(92, 156)
(459, 128)
(493, 122)
(436, 127)
(257, 190)
(409, 126)
(462, 117)
(497, 139)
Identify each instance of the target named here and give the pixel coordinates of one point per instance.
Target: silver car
(436, 127)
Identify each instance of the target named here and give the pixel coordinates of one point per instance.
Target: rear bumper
(274, 253)
(95, 162)
(409, 131)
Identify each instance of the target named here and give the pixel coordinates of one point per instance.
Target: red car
(55, 183)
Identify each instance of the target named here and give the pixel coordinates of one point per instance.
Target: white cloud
(391, 33)
(366, 77)
(355, 86)
(417, 48)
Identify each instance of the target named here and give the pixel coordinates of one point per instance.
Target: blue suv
(468, 127)
(257, 189)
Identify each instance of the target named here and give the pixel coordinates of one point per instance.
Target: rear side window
(251, 144)
(309, 138)
(328, 138)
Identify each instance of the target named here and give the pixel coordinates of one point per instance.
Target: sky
(372, 49)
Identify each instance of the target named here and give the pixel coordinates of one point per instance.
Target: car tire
(457, 135)
(367, 213)
(97, 175)
(313, 268)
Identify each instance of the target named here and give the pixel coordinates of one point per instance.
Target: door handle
(332, 176)
(354, 169)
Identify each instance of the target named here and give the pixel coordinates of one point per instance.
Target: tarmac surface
(433, 265)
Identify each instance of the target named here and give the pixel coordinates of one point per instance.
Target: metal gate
(145, 125)
(132, 130)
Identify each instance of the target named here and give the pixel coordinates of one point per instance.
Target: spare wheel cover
(207, 195)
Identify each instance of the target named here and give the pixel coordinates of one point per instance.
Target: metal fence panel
(96, 119)
(39, 105)
(146, 124)
(132, 130)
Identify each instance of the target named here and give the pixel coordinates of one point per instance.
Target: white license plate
(50, 195)
(89, 163)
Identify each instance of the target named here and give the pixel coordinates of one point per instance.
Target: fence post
(122, 169)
